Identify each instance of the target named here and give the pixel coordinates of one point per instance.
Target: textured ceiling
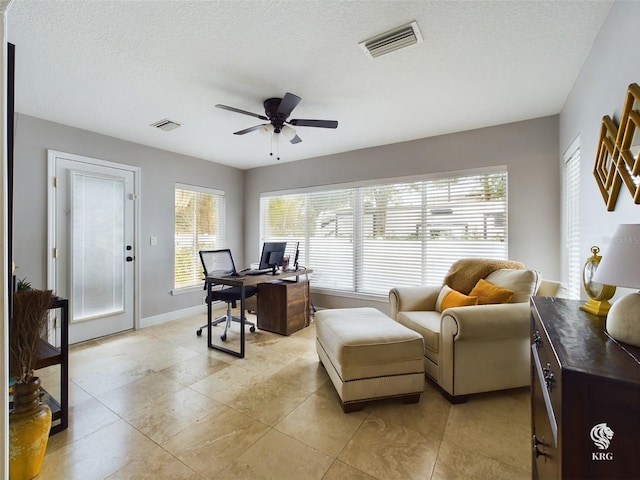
(116, 67)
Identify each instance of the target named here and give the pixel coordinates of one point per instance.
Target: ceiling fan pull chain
(271, 145)
(277, 135)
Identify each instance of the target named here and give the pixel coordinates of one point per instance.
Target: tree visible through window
(199, 225)
(369, 238)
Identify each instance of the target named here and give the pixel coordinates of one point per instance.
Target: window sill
(186, 290)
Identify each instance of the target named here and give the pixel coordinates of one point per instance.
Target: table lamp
(620, 266)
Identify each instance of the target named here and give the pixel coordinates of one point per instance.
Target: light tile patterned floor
(158, 404)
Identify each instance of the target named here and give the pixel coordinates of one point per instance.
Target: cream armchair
(479, 348)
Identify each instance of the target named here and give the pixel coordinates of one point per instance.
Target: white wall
(159, 172)
(613, 63)
(528, 148)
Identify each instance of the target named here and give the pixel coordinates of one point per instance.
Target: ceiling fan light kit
(277, 111)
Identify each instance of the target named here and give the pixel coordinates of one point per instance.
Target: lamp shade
(266, 129)
(620, 264)
(288, 132)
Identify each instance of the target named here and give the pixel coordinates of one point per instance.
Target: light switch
(153, 240)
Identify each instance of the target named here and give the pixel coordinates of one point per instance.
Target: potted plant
(29, 420)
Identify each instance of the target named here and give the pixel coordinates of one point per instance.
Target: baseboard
(170, 316)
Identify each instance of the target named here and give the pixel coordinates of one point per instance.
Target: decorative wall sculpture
(618, 153)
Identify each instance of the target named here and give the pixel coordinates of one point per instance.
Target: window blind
(199, 225)
(367, 239)
(572, 221)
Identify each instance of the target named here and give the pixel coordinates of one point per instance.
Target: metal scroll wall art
(618, 153)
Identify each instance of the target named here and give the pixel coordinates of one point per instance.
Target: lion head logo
(601, 434)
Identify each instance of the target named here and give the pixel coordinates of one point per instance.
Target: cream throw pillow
(523, 283)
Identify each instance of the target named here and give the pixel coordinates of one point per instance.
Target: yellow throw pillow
(489, 293)
(457, 299)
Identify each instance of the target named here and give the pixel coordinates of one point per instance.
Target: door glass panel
(97, 246)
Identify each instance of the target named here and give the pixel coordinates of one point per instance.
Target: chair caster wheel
(223, 337)
(199, 332)
(252, 329)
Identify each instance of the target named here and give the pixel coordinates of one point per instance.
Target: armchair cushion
(487, 293)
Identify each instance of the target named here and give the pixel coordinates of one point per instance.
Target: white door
(93, 244)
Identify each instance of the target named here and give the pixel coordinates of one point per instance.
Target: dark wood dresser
(585, 396)
(283, 306)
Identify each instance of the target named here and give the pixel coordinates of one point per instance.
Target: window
(573, 260)
(369, 238)
(199, 225)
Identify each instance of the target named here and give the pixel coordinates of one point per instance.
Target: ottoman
(369, 356)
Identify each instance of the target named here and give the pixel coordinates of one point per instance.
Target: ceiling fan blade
(295, 139)
(314, 123)
(247, 130)
(288, 103)
(244, 112)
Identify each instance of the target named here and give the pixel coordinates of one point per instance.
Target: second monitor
(272, 255)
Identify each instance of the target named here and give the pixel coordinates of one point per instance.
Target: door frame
(51, 212)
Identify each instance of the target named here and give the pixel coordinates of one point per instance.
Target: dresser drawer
(545, 363)
(545, 404)
(585, 396)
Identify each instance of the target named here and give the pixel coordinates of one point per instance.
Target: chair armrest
(551, 288)
(411, 299)
(505, 320)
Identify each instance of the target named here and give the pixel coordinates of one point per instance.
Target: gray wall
(613, 63)
(528, 148)
(531, 150)
(159, 172)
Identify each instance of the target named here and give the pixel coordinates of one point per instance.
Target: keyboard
(255, 272)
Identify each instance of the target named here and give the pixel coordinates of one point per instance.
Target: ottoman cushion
(364, 343)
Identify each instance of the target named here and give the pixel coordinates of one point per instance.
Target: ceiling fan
(277, 111)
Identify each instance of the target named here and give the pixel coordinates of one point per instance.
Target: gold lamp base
(596, 307)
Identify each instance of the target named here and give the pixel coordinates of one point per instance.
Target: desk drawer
(283, 306)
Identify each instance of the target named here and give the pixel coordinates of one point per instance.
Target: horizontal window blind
(572, 222)
(199, 225)
(367, 239)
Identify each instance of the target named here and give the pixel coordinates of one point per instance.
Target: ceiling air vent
(166, 125)
(393, 40)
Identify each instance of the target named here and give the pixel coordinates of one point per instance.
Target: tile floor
(158, 404)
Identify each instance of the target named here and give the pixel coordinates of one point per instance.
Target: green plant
(24, 284)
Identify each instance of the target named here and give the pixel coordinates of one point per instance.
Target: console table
(243, 281)
(585, 396)
(49, 355)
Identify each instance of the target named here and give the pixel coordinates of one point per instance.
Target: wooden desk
(242, 281)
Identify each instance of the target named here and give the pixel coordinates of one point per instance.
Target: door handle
(129, 259)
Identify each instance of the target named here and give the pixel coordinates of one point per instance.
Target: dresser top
(580, 342)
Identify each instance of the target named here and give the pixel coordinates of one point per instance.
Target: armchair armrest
(484, 348)
(505, 320)
(410, 299)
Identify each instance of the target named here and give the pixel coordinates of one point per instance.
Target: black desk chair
(219, 263)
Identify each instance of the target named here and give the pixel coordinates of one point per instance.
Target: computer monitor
(293, 252)
(272, 255)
